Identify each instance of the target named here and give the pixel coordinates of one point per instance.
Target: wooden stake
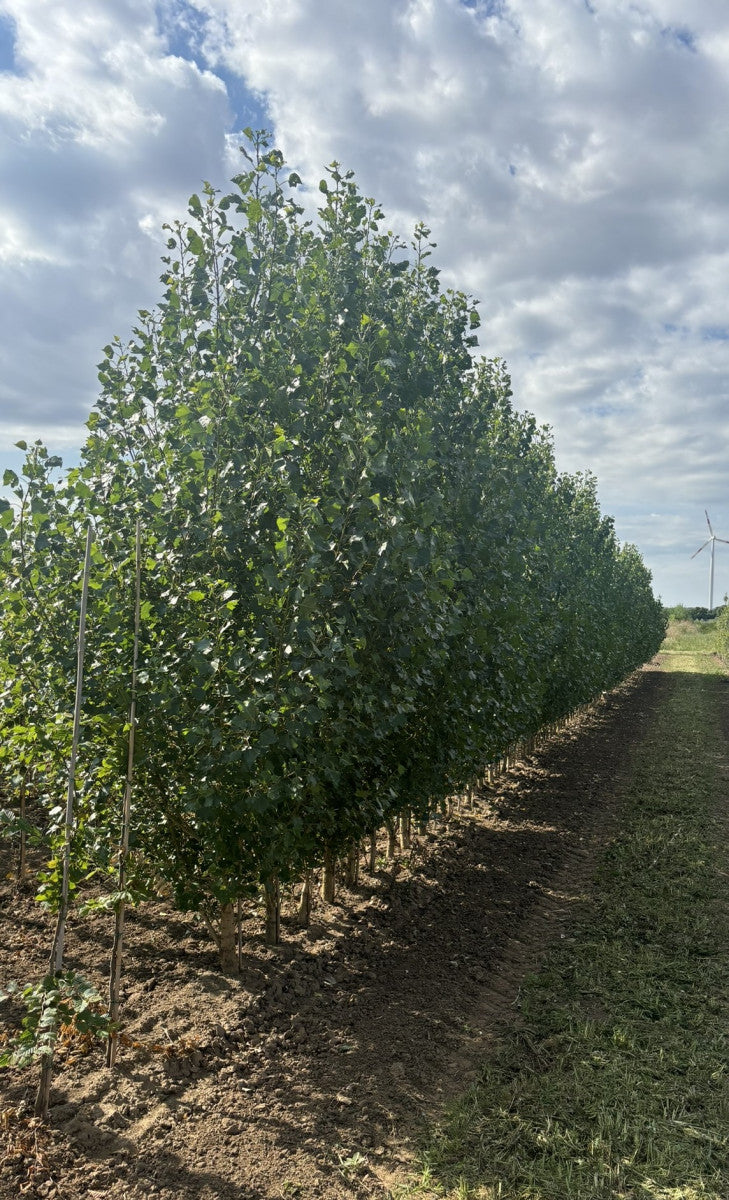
(23, 836)
(118, 943)
(59, 938)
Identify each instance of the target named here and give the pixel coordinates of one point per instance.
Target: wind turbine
(713, 540)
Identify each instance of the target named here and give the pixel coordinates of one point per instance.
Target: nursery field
(559, 948)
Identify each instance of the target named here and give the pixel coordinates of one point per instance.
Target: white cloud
(102, 136)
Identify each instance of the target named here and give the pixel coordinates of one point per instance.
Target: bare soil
(316, 1072)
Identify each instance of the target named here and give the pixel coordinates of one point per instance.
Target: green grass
(614, 1084)
(690, 637)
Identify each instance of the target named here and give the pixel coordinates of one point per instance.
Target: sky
(571, 158)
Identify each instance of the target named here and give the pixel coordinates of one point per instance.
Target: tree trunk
(391, 842)
(404, 830)
(228, 948)
(303, 914)
(327, 877)
(373, 852)
(353, 865)
(272, 893)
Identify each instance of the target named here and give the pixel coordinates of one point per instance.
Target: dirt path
(314, 1074)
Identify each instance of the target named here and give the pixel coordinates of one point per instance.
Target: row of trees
(722, 631)
(362, 577)
(680, 612)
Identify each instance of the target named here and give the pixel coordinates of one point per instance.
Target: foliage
(678, 612)
(698, 613)
(363, 576)
(721, 628)
(57, 1001)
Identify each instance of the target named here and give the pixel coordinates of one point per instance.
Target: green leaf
(195, 242)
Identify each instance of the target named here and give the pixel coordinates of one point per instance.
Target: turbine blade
(701, 548)
(708, 522)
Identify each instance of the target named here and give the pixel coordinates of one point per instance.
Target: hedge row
(362, 575)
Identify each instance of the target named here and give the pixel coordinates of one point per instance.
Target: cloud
(569, 155)
(103, 134)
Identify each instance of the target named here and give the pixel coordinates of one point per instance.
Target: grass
(690, 637)
(614, 1084)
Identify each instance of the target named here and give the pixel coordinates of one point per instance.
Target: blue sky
(7, 44)
(571, 158)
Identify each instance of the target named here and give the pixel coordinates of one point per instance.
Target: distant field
(695, 637)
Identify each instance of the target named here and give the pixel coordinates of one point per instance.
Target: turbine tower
(710, 541)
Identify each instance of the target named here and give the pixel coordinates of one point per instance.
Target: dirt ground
(315, 1073)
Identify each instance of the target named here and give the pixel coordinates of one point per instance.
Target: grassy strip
(615, 1083)
(690, 637)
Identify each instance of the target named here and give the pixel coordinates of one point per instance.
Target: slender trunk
(59, 937)
(422, 827)
(239, 934)
(353, 865)
(272, 893)
(404, 824)
(373, 852)
(391, 839)
(118, 943)
(228, 948)
(327, 878)
(303, 914)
